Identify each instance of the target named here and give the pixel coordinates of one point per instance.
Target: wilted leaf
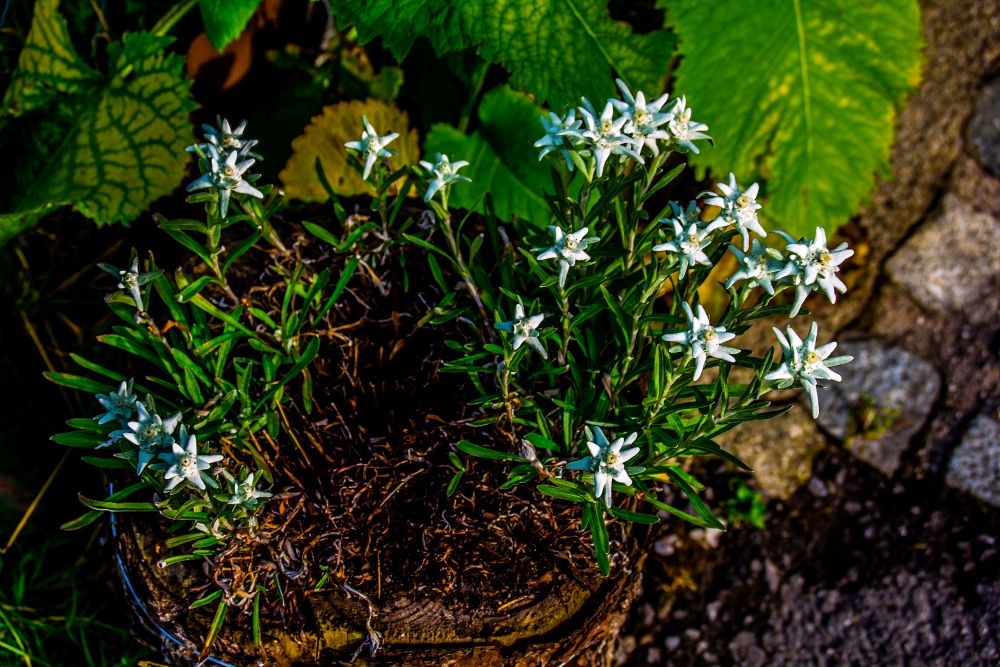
(799, 93)
(124, 146)
(556, 49)
(324, 138)
(502, 160)
(224, 20)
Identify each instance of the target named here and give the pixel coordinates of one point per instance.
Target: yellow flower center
(640, 116)
(812, 359)
(611, 459)
(606, 126)
(229, 170)
(709, 335)
(226, 139)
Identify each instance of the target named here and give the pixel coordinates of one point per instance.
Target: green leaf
(556, 49)
(485, 452)
(801, 93)
(77, 382)
(502, 160)
(635, 517)
(225, 19)
(122, 146)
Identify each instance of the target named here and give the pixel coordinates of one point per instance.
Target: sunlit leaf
(799, 94)
(124, 146)
(225, 19)
(324, 138)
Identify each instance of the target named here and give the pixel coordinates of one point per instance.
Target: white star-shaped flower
(812, 266)
(523, 329)
(371, 146)
(802, 361)
(607, 462)
(739, 207)
(568, 249)
(702, 340)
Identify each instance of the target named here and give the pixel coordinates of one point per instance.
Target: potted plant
(393, 430)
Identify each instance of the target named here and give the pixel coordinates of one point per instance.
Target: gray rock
(952, 263)
(975, 465)
(882, 402)
(984, 128)
(780, 451)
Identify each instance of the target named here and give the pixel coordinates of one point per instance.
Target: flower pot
(363, 553)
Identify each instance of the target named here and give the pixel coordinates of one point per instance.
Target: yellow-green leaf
(799, 94)
(325, 137)
(124, 145)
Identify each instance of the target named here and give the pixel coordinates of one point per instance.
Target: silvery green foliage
(805, 363)
(371, 146)
(444, 173)
(606, 462)
(567, 248)
(702, 340)
(524, 330)
(739, 208)
(813, 266)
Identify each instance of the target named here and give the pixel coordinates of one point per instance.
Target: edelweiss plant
(629, 347)
(589, 361)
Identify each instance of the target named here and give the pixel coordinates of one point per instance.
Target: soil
(360, 526)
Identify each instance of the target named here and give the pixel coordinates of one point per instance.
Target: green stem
(171, 18)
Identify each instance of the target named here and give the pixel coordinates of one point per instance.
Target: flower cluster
(224, 161)
(166, 448)
(568, 249)
(624, 127)
(132, 280)
(806, 363)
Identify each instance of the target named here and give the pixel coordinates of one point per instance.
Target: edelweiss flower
(246, 495)
(445, 173)
(604, 135)
(150, 434)
(702, 340)
(644, 118)
(812, 266)
(186, 464)
(607, 462)
(372, 146)
(117, 404)
(682, 130)
(806, 363)
(568, 249)
(131, 279)
(739, 207)
(760, 265)
(226, 176)
(225, 139)
(689, 244)
(559, 135)
(524, 330)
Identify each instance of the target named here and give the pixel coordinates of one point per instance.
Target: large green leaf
(123, 146)
(799, 93)
(224, 20)
(556, 49)
(501, 158)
